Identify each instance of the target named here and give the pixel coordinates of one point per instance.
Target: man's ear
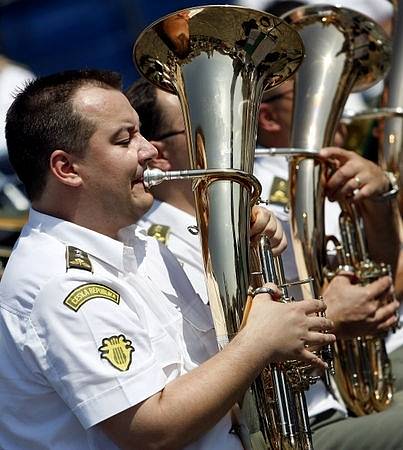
(161, 161)
(266, 119)
(63, 168)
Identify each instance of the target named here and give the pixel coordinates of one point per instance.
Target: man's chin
(145, 204)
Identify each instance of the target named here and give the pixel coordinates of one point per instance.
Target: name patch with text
(76, 299)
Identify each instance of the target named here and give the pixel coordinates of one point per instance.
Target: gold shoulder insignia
(118, 351)
(76, 299)
(279, 192)
(77, 259)
(159, 232)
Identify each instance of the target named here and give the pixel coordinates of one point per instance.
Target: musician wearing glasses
(355, 309)
(105, 343)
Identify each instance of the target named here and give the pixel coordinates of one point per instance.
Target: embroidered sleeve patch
(76, 299)
(118, 351)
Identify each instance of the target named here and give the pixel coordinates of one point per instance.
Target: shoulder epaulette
(77, 259)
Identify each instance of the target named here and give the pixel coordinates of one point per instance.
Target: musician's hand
(355, 177)
(286, 329)
(360, 310)
(265, 222)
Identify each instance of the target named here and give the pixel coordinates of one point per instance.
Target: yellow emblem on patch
(118, 351)
(76, 299)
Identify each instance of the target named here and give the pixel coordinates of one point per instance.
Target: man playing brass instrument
(354, 309)
(105, 343)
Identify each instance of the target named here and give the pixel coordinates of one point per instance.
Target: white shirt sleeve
(99, 358)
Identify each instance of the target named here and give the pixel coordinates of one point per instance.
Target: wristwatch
(393, 186)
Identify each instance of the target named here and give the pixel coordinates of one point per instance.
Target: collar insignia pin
(279, 192)
(77, 259)
(159, 232)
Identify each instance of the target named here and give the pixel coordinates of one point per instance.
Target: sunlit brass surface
(219, 59)
(280, 391)
(288, 380)
(360, 125)
(154, 177)
(345, 51)
(367, 379)
(371, 113)
(390, 156)
(227, 56)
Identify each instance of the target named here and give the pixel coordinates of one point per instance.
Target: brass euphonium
(345, 51)
(218, 59)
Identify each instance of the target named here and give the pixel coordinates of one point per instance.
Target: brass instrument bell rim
(302, 14)
(292, 35)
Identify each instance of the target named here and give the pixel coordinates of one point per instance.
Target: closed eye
(124, 143)
(124, 136)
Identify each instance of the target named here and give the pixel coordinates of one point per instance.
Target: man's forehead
(91, 97)
(98, 101)
(167, 99)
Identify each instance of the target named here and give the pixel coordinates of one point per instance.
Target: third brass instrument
(345, 51)
(390, 150)
(218, 60)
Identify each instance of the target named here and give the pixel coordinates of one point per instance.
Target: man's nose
(147, 153)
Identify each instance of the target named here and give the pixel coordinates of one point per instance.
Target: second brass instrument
(345, 51)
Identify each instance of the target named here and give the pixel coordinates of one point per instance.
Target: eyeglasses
(168, 135)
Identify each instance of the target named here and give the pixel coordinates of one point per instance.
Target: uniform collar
(276, 164)
(165, 214)
(98, 245)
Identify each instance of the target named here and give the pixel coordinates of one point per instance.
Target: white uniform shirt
(184, 245)
(60, 374)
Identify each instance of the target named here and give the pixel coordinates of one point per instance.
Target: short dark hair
(42, 119)
(142, 95)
